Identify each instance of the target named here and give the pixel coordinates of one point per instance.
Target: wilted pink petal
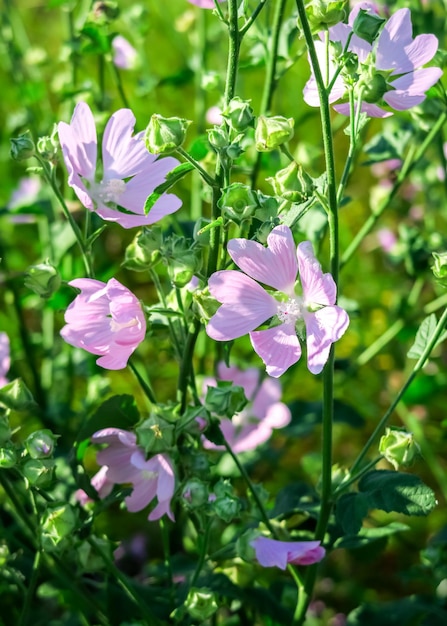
(273, 553)
(105, 319)
(129, 172)
(124, 54)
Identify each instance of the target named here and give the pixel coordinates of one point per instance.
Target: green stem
(119, 85)
(204, 174)
(417, 368)
(233, 51)
(254, 15)
(353, 479)
(145, 385)
(186, 365)
(328, 372)
(407, 167)
(205, 535)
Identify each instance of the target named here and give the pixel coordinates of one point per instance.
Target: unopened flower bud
(227, 507)
(22, 147)
(201, 604)
(439, 268)
(218, 138)
(5, 430)
(58, 522)
(205, 305)
(244, 548)
(398, 447)
(238, 202)
(39, 472)
(292, 183)
(8, 457)
(194, 494)
(16, 396)
(367, 25)
(226, 399)
(47, 147)
(325, 13)
(43, 279)
(165, 134)
(41, 444)
(155, 435)
(238, 114)
(181, 270)
(272, 132)
(144, 251)
(374, 87)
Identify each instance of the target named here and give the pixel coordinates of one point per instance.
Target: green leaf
(423, 336)
(411, 611)
(351, 509)
(296, 498)
(174, 176)
(116, 412)
(366, 536)
(395, 491)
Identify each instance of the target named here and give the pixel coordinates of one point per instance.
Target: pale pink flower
(214, 116)
(254, 425)
(246, 305)
(394, 61)
(387, 239)
(274, 553)
(126, 463)
(124, 54)
(5, 359)
(204, 4)
(129, 172)
(105, 319)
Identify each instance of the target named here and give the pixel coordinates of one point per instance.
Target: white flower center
(290, 311)
(110, 190)
(115, 326)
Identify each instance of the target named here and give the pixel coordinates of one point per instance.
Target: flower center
(115, 326)
(110, 190)
(290, 311)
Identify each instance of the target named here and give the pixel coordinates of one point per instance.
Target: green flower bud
(4, 555)
(16, 396)
(22, 147)
(196, 463)
(5, 430)
(194, 494)
(235, 149)
(201, 604)
(182, 261)
(41, 444)
(367, 25)
(239, 114)
(227, 508)
(292, 183)
(218, 138)
(58, 523)
(165, 134)
(398, 447)
(43, 279)
(8, 457)
(205, 306)
(47, 147)
(155, 435)
(226, 399)
(244, 548)
(439, 268)
(323, 13)
(144, 251)
(238, 202)
(39, 472)
(375, 87)
(272, 132)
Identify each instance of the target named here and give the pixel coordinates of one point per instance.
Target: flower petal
(318, 288)
(323, 328)
(395, 36)
(278, 347)
(245, 306)
(409, 90)
(275, 265)
(79, 143)
(370, 109)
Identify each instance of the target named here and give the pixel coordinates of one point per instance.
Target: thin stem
(353, 479)
(419, 365)
(233, 51)
(254, 15)
(119, 85)
(204, 174)
(203, 551)
(404, 172)
(186, 365)
(145, 385)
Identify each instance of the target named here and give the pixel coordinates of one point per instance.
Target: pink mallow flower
(254, 425)
(125, 463)
(246, 305)
(389, 68)
(274, 553)
(129, 172)
(204, 4)
(5, 359)
(105, 319)
(124, 54)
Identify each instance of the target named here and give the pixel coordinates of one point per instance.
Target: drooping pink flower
(254, 425)
(274, 553)
(125, 463)
(5, 359)
(390, 69)
(246, 305)
(105, 319)
(124, 54)
(204, 4)
(129, 172)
